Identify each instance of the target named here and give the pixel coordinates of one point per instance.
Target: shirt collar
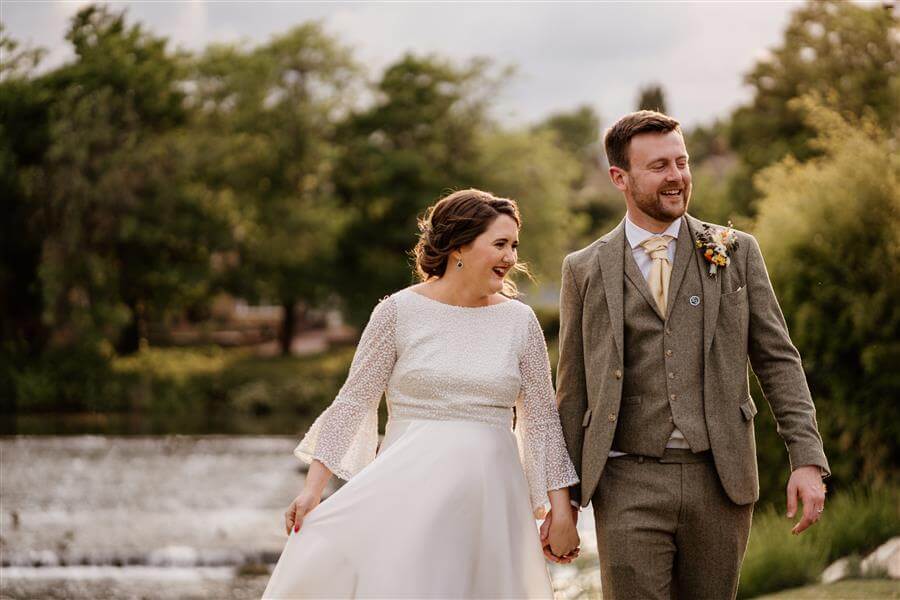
(636, 235)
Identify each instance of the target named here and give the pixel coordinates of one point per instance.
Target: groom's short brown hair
(618, 137)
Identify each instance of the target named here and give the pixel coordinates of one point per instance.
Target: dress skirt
(442, 512)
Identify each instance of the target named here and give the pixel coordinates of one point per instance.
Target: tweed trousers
(666, 529)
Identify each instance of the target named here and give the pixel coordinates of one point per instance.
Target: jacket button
(668, 353)
(671, 375)
(612, 417)
(618, 373)
(672, 396)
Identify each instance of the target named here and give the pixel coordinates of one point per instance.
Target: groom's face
(658, 182)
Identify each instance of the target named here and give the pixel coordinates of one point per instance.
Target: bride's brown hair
(455, 220)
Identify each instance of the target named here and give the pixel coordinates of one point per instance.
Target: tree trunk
(134, 332)
(288, 325)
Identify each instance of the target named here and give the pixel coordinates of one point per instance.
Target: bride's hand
(563, 536)
(297, 511)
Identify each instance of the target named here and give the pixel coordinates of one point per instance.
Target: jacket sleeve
(571, 387)
(776, 363)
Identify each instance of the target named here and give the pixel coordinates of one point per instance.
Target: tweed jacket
(742, 323)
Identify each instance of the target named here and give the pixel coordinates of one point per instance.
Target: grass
(855, 522)
(849, 589)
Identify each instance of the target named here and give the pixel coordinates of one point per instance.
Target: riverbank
(160, 516)
(200, 517)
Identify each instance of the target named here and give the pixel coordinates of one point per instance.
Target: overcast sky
(566, 54)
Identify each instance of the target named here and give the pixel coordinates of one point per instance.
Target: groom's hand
(807, 486)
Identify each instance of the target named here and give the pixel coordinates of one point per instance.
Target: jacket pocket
(748, 409)
(631, 400)
(738, 296)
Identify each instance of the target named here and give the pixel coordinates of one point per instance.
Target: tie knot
(657, 246)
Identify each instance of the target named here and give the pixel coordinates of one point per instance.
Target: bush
(549, 320)
(777, 560)
(854, 523)
(175, 390)
(64, 379)
(213, 380)
(858, 521)
(830, 232)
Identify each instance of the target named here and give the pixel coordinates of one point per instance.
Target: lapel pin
(694, 300)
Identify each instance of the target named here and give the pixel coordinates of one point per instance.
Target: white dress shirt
(635, 236)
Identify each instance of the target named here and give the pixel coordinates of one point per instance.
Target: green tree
(532, 169)
(845, 51)
(706, 142)
(24, 106)
(418, 141)
(713, 164)
(578, 132)
(652, 97)
(272, 111)
(830, 231)
(126, 235)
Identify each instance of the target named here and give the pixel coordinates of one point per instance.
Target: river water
(162, 517)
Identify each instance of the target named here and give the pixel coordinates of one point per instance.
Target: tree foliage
(531, 168)
(652, 97)
(830, 231)
(269, 116)
(417, 142)
(577, 131)
(125, 232)
(847, 52)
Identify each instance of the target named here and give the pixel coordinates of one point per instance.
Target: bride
(447, 507)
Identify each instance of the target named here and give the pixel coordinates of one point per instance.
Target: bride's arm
(344, 437)
(562, 533)
(316, 479)
(547, 465)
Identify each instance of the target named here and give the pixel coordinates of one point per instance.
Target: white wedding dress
(445, 509)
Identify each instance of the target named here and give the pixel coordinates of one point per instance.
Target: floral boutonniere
(718, 244)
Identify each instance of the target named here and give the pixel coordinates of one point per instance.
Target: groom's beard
(659, 207)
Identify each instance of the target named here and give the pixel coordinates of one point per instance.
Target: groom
(658, 319)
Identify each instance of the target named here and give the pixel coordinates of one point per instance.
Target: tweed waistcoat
(663, 375)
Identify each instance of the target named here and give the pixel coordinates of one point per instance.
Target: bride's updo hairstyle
(456, 220)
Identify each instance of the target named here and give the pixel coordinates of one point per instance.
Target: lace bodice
(437, 361)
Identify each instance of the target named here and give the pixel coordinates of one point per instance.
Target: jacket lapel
(684, 251)
(712, 292)
(610, 255)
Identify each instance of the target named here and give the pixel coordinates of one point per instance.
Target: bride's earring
(459, 262)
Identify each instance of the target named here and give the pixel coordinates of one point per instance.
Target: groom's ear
(619, 177)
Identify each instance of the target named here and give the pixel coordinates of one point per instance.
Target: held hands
(299, 508)
(559, 536)
(806, 484)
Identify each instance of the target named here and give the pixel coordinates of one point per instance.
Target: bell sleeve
(345, 436)
(542, 448)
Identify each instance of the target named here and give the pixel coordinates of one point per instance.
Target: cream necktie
(660, 269)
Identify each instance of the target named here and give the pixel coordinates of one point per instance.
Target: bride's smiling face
(490, 256)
